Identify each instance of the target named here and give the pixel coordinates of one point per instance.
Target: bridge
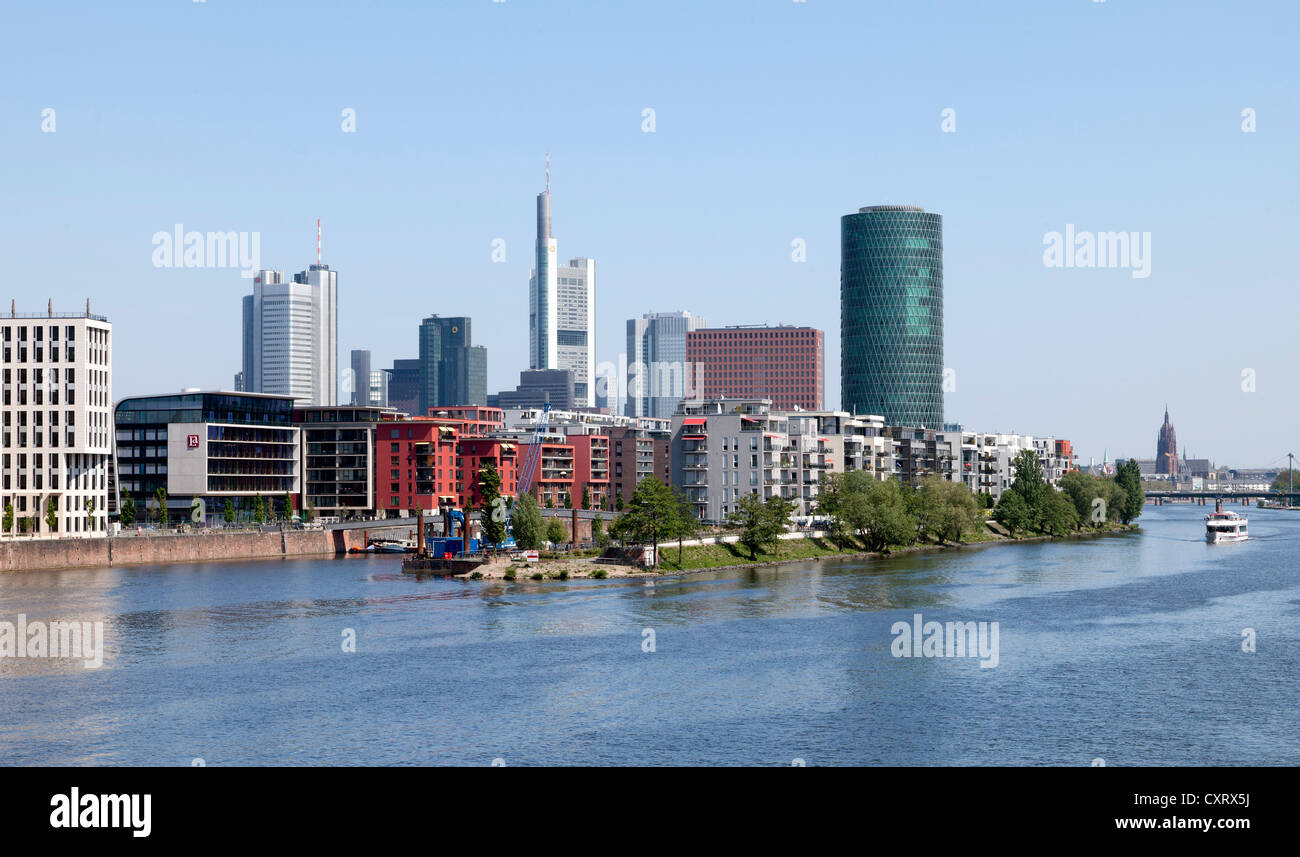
(1245, 498)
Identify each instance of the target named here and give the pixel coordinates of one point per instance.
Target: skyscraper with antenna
(562, 308)
(290, 333)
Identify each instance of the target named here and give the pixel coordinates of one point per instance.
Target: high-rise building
(1167, 449)
(538, 387)
(784, 364)
(891, 314)
(360, 378)
(404, 386)
(453, 371)
(379, 388)
(58, 430)
(658, 376)
(562, 309)
(290, 335)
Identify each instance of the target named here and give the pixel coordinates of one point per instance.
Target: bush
(478, 575)
(600, 574)
(510, 573)
(564, 574)
(537, 575)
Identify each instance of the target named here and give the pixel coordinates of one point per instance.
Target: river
(1127, 649)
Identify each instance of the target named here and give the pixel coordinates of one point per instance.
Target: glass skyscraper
(891, 314)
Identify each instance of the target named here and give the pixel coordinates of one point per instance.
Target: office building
(338, 458)
(404, 386)
(290, 335)
(213, 446)
(538, 387)
(57, 399)
(891, 314)
(358, 388)
(783, 363)
(453, 371)
(562, 309)
(659, 376)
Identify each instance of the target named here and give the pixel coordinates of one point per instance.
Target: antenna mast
(548, 173)
(318, 241)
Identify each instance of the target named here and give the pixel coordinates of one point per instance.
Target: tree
(1029, 482)
(618, 503)
(229, 512)
(1129, 477)
(51, 514)
(568, 500)
(127, 513)
(23, 524)
(858, 503)
(761, 523)
(160, 497)
(598, 531)
(311, 510)
(950, 508)
(586, 498)
(491, 512)
(8, 522)
(288, 505)
(259, 510)
(90, 513)
(556, 534)
(526, 522)
(1059, 516)
(651, 516)
(1014, 513)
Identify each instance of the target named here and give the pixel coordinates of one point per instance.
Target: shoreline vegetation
(864, 517)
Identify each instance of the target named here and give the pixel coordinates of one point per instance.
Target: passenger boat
(394, 546)
(1221, 526)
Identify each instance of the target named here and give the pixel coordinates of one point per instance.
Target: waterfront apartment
(57, 396)
(338, 467)
(213, 446)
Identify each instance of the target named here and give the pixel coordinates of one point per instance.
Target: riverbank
(731, 556)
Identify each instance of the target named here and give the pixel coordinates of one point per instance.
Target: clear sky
(772, 119)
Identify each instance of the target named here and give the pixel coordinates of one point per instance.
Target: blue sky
(773, 119)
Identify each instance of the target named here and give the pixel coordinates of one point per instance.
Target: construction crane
(532, 461)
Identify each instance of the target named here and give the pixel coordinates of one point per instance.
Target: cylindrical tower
(891, 314)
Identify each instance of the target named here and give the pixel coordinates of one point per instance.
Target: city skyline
(705, 210)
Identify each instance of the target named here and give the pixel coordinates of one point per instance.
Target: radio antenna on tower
(548, 173)
(318, 241)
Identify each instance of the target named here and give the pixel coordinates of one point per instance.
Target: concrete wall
(28, 554)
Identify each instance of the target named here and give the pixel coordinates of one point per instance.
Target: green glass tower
(891, 314)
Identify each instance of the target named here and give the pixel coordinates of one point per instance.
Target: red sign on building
(192, 442)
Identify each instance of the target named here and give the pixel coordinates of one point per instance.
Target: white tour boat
(1221, 526)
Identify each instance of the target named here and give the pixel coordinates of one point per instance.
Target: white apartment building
(291, 336)
(57, 372)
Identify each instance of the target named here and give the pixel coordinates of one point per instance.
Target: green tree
(160, 498)
(229, 512)
(23, 524)
(598, 531)
(259, 510)
(586, 498)
(880, 511)
(1082, 489)
(568, 500)
(950, 508)
(1029, 483)
(1014, 513)
(492, 510)
(288, 506)
(8, 522)
(652, 515)
(761, 523)
(1058, 516)
(618, 503)
(556, 534)
(51, 514)
(526, 522)
(127, 513)
(1129, 478)
(311, 510)
(90, 513)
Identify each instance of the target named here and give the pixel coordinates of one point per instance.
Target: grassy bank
(794, 550)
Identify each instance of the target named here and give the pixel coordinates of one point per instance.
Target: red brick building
(426, 462)
(784, 364)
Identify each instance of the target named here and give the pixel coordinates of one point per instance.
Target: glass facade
(891, 314)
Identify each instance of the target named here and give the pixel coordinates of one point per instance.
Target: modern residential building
(453, 371)
(213, 446)
(57, 398)
(338, 458)
(659, 376)
(783, 363)
(562, 309)
(290, 335)
(635, 454)
(433, 461)
(891, 314)
(538, 387)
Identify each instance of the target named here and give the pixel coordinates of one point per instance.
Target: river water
(1127, 649)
